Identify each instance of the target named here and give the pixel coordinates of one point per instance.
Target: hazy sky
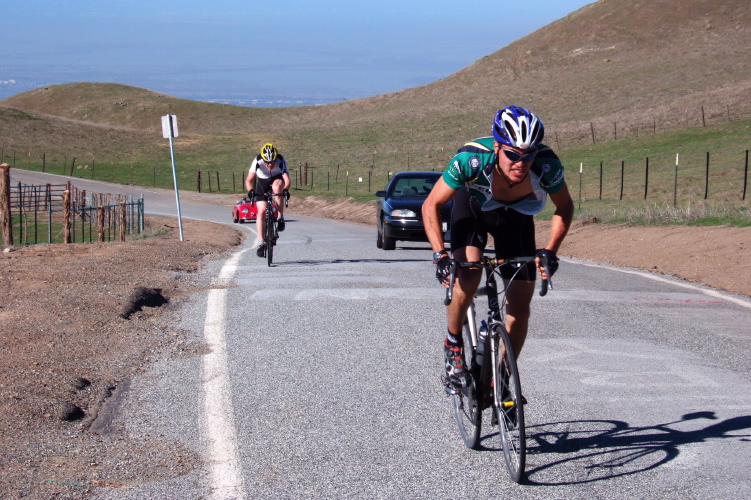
(239, 50)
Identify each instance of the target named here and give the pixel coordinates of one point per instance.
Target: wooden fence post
(675, 183)
(100, 223)
(66, 216)
(745, 177)
(122, 221)
(5, 218)
(706, 177)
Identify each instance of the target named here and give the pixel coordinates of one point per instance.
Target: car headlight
(245, 210)
(403, 212)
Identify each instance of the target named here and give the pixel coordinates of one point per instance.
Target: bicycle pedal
(451, 389)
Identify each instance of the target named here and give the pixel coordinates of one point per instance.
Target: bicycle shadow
(597, 450)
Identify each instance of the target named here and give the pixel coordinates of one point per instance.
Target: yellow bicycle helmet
(268, 152)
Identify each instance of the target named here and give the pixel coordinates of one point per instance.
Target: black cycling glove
(552, 260)
(443, 269)
(286, 194)
(251, 194)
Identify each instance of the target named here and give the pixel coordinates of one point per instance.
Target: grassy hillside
(615, 69)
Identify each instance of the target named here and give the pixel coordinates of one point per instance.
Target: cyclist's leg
(263, 186)
(465, 286)
(518, 297)
(514, 236)
(467, 243)
(277, 186)
(260, 217)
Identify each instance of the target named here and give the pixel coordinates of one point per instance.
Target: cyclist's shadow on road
(595, 450)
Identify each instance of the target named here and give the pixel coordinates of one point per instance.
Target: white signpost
(169, 130)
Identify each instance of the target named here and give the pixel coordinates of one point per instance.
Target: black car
(399, 210)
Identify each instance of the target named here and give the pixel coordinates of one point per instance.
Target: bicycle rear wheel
(509, 406)
(467, 410)
(270, 238)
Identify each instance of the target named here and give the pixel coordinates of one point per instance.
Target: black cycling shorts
(263, 185)
(513, 232)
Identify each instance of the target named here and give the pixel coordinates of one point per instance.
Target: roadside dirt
(72, 332)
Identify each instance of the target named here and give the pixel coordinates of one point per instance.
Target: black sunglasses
(514, 157)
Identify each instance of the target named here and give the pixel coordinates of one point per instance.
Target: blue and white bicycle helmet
(517, 127)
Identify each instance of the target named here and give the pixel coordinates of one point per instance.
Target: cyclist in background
(269, 171)
(497, 183)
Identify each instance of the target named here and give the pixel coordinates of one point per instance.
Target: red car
(247, 211)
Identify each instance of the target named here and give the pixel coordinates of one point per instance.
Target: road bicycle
(271, 231)
(489, 358)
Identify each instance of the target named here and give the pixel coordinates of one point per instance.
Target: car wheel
(379, 239)
(388, 243)
(235, 219)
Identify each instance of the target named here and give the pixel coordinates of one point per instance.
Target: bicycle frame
(491, 266)
(495, 380)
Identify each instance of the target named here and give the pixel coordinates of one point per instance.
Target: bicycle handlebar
(269, 194)
(494, 264)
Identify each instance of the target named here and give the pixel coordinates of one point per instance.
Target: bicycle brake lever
(450, 289)
(546, 284)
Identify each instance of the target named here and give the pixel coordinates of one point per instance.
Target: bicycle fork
(499, 380)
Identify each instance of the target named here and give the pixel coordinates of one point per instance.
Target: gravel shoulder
(78, 321)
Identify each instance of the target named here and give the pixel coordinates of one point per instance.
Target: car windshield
(413, 186)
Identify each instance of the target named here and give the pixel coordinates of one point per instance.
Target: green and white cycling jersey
(473, 166)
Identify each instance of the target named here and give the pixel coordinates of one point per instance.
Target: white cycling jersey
(268, 170)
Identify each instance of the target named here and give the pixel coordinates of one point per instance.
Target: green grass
(666, 195)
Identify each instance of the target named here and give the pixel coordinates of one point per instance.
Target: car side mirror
(380, 194)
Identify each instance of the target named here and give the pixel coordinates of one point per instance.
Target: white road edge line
(645, 274)
(219, 420)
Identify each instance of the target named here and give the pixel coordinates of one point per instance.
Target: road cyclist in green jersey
(497, 184)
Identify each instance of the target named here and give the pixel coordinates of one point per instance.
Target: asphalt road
(323, 381)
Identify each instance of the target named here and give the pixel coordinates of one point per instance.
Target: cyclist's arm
(250, 180)
(286, 180)
(564, 214)
(431, 212)
(559, 225)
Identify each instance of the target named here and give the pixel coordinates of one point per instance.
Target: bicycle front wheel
(466, 408)
(270, 239)
(509, 406)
